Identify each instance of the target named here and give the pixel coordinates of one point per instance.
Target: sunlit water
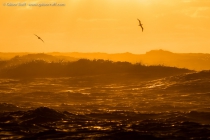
(168, 108)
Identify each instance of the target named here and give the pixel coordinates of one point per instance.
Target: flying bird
(39, 37)
(141, 25)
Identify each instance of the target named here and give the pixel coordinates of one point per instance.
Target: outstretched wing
(139, 21)
(36, 35)
(142, 28)
(41, 39)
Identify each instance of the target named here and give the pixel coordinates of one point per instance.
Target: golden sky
(105, 26)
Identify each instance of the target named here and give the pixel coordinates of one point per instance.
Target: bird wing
(36, 35)
(41, 40)
(142, 28)
(139, 21)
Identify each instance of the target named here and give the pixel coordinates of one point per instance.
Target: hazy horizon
(192, 61)
(37, 52)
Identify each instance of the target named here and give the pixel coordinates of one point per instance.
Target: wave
(8, 107)
(41, 115)
(48, 123)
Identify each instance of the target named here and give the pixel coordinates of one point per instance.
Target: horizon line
(110, 53)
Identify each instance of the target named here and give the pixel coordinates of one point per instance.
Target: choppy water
(85, 108)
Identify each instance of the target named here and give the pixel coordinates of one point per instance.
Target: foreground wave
(47, 123)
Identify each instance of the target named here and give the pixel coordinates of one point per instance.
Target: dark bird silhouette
(141, 25)
(39, 37)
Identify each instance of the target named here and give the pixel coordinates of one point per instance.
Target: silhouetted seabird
(39, 37)
(140, 25)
